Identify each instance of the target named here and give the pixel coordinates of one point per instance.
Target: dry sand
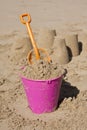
(42, 70)
(65, 17)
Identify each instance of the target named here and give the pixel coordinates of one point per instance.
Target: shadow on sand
(67, 90)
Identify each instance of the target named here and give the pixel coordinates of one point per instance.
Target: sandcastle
(83, 41)
(72, 44)
(61, 49)
(45, 38)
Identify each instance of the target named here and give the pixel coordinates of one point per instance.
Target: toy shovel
(35, 48)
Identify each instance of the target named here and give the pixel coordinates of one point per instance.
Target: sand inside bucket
(42, 70)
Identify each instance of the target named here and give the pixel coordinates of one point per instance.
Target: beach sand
(65, 17)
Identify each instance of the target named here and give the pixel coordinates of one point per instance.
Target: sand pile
(43, 70)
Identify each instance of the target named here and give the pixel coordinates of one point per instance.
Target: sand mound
(43, 70)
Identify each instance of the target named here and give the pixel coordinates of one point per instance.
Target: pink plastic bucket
(42, 95)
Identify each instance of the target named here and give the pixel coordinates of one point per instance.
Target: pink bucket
(42, 95)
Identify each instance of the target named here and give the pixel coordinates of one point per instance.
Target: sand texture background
(66, 17)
